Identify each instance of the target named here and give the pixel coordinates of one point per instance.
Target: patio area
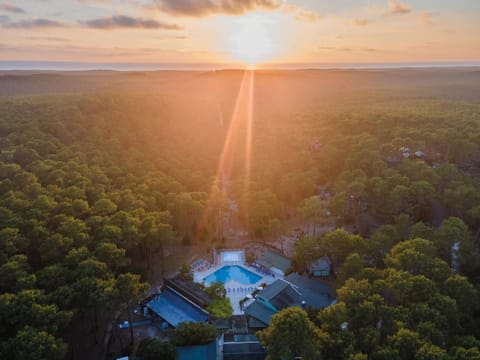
(239, 279)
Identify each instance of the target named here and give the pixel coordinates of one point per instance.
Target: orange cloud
(398, 8)
(361, 22)
(199, 8)
(426, 18)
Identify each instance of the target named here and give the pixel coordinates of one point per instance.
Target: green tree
(312, 209)
(407, 343)
(33, 344)
(216, 290)
(431, 352)
(291, 335)
(194, 333)
(306, 251)
(129, 290)
(159, 350)
(155, 235)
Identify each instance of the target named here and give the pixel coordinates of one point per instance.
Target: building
(198, 352)
(191, 291)
(315, 293)
(274, 262)
(320, 267)
(295, 290)
(242, 347)
(174, 308)
(275, 297)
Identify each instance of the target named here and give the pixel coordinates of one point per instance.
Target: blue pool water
(233, 272)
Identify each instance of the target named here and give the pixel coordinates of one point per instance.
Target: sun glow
(252, 40)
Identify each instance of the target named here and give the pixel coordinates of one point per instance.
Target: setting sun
(252, 41)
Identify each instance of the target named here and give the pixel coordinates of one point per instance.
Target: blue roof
(175, 309)
(198, 352)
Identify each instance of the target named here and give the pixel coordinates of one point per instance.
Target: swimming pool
(229, 256)
(232, 272)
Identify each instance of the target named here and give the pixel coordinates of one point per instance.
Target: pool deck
(236, 291)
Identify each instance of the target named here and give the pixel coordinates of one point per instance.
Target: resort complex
(256, 291)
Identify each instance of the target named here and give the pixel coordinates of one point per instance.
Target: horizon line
(46, 65)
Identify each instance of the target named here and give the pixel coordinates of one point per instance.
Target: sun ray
(249, 129)
(225, 162)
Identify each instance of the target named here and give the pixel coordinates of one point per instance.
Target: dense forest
(99, 187)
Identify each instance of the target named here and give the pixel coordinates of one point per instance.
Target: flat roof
(321, 264)
(198, 352)
(175, 308)
(241, 351)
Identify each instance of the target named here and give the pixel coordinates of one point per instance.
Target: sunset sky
(240, 31)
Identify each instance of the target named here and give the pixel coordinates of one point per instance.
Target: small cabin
(320, 267)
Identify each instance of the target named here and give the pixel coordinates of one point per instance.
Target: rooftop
(316, 293)
(243, 351)
(239, 347)
(272, 299)
(260, 312)
(175, 308)
(280, 294)
(273, 289)
(293, 291)
(190, 290)
(199, 352)
(271, 258)
(320, 264)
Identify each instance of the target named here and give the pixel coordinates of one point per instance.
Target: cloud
(361, 22)
(301, 14)
(123, 21)
(398, 8)
(133, 2)
(426, 18)
(199, 8)
(47, 38)
(306, 15)
(345, 49)
(11, 8)
(35, 23)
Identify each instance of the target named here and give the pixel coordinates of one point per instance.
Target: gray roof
(321, 264)
(222, 324)
(287, 297)
(198, 352)
(316, 293)
(254, 323)
(241, 351)
(260, 312)
(292, 292)
(272, 290)
(191, 291)
(280, 294)
(271, 258)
